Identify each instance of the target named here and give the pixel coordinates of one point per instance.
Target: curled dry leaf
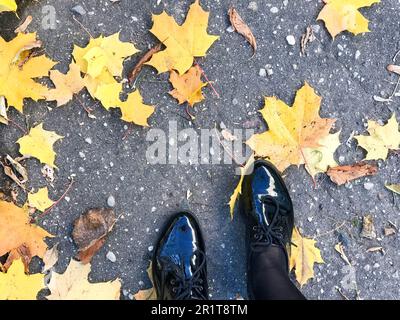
(3, 110)
(24, 25)
(340, 249)
(306, 38)
(15, 170)
(343, 174)
(393, 68)
(91, 230)
(242, 28)
(50, 258)
(368, 229)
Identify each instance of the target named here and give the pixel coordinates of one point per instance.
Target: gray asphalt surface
(146, 195)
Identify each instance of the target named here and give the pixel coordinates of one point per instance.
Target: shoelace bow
(188, 288)
(265, 235)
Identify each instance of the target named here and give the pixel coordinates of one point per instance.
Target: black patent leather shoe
(179, 264)
(266, 203)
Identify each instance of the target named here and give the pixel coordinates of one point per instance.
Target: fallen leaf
(340, 249)
(50, 258)
(376, 249)
(18, 69)
(187, 88)
(393, 187)
(135, 111)
(16, 285)
(103, 54)
(8, 5)
(343, 174)
(147, 294)
(21, 253)
(17, 231)
(40, 200)
(138, 67)
(238, 190)
(306, 38)
(341, 15)
(15, 171)
(319, 159)
(183, 43)
(291, 129)
(242, 28)
(381, 139)
(3, 110)
(368, 228)
(109, 95)
(393, 68)
(73, 284)
(23, 26)
(91, 230)
(303, 256)
(38, 143)
(388, 231)
(66, 85)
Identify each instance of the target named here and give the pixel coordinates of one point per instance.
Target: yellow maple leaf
(319, 159)
(18, 70)
(66, 85)
(147, 294)
(303, 256)
(16, 285)
(341, 15)
(135, 111)
(103, 53)
(184, 42)
(109, 94)
(187, 88)
(40, 200)
(73, 284)
(38, 143)
(17, 231)
(238, 190)
(381, 139)
(93, 84)
(291, 129)
(8, 5)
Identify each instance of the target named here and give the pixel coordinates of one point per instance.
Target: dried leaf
(343, 174)
(291, 129)
(340, 249)
(50, 258)
(15, 171)
(368, 229)
(393, 68)
(23, 26)
(40, 200)
(73, 284)
(91, 230)
(393, 187)
(242, 28)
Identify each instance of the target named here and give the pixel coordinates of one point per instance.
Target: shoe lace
(191, 288)
(265, 235)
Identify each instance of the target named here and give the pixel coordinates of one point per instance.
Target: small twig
(192, 117)
(57, 202)
(210, 82)
(341, 293)
(226, 149)
(88, 110)
(138, 67)
(330, 231)
(18, 126)
(128, 132)
(83, 27)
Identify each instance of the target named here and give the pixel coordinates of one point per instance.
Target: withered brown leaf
(242, 28)
(343, 174)
(91, 230)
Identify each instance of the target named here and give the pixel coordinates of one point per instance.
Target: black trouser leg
(269, 276)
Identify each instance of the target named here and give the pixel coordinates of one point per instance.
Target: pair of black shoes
(179, 263)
